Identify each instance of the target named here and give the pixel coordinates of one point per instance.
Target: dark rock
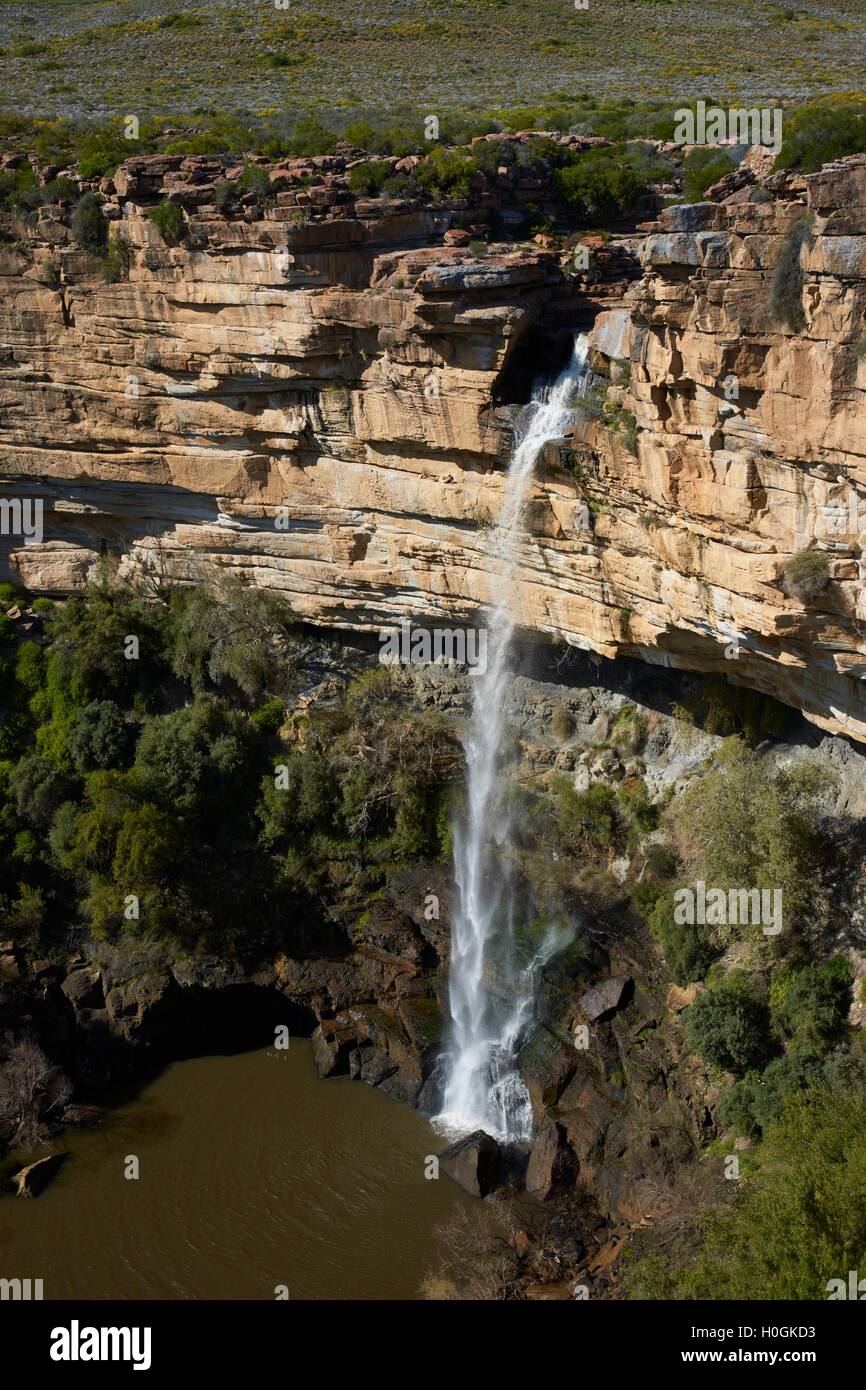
(370, 1064)
(606, 998)
(83, 989)
(475, 1162)
(33, 1179)
(546, 1064)
(333, 1042)
(553, 1164)
(84, 1115)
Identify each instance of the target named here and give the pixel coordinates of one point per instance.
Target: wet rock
(607, 997)
(333, 1042)
(370, 1064)
(475, 1162)
(33, 1179)
(546, 1064)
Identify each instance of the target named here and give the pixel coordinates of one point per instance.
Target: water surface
(253, 1173)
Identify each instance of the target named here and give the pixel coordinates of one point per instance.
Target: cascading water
(483, 1088)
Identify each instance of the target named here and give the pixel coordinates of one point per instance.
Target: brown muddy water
(253, 1173)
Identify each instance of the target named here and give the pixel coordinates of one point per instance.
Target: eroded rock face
(750, 447)
(316, 395)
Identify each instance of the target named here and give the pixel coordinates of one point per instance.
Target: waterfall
(483, 1088)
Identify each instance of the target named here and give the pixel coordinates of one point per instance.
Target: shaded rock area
(475, 1162)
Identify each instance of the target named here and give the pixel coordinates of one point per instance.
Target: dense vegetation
(150, 783)
(796, 1219)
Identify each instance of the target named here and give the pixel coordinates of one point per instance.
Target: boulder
(606, 997)
(475, 1162)
(33, 1179)
(553, 1165)
(333, 1042)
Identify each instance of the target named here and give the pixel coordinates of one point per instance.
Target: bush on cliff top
(822, 131)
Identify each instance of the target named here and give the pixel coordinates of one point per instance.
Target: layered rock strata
(319, 395)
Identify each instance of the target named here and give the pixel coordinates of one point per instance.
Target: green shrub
(368, 178)
(821, 131)
(688, 949)
(224, 195)
(753, 1103)
(635, 804)
(118, 258)
(446, 173)
(806, 575)
(601, 182)
(89, 226)
(728, 1027)
(169, 221)
(98, 736)
(746, 825)
(590, 815)
(702, 168)
(254, 179)
(813, 1009)
(798, 1222)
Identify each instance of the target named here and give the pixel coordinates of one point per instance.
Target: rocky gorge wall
(320, 394)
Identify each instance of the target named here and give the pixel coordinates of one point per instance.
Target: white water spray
(483, 1088)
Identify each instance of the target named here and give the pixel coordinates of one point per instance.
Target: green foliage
(821, 131)
(98, 736)
(806, 575)
(368, 178)
(254, 179)
(89, 226)
(744, 825)
(728, 1027)
(194, 761)
(224, 195)
(797, 1221)
(729, 710)
(590, 815)
(446, 173)
(812, 1011)
(750, 1105)
(231, 637)
(169, 221)
(603, 182)
(689, 950)
(635, 805)
(100, 151)
(118, 258)
(89, 658)
(703, 167)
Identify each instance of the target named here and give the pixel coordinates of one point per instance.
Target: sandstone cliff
(320, 395)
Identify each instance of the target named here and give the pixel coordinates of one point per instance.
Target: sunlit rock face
(325, 407)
